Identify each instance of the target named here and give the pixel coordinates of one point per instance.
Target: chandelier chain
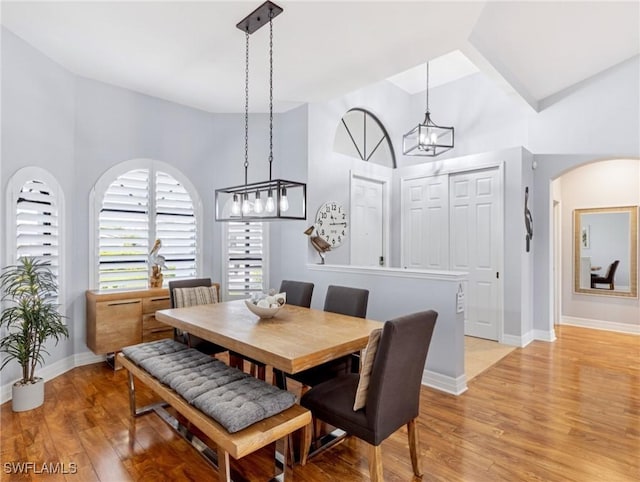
(270, 91)
(427, 87)
(246, 107)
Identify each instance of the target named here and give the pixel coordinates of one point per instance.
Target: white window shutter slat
(245, 259)
(36, 215)
(140, 205)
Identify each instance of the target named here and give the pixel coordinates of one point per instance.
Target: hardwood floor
(563, 411)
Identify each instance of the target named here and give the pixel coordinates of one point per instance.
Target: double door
(453, 222)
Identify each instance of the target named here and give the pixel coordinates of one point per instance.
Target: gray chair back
(187, 283)
(393, 396)
(298, 292)
(347, 301)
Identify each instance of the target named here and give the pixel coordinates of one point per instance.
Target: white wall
(38, 124)
(599, 184)
(78, 128)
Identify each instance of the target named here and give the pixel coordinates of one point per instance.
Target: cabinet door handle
(160, 299)
(124, 303)
(158, 330)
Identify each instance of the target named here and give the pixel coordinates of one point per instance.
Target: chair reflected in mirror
(607, 279)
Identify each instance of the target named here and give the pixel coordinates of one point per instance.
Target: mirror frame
(633, 255)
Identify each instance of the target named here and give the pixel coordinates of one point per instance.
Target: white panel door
(425, 236)
(474, 199)
(367, 222)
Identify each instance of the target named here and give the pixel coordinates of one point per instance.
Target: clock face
(331, 223)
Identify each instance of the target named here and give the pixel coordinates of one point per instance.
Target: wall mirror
(606, 251)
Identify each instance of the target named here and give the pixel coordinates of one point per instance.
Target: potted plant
(30, 318)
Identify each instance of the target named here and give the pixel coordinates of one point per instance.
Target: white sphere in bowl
(263, 303)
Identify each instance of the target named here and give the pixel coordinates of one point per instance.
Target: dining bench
(238, 413)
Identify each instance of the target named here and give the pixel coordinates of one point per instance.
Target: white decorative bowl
(260, 311)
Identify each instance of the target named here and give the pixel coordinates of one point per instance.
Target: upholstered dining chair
(607, 279)
(346, 301)
(193, 341)
(298, 292)
(392, 397)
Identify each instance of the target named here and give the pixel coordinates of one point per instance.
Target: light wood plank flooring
(563, 411)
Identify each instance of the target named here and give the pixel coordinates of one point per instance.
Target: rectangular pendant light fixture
(266, 200)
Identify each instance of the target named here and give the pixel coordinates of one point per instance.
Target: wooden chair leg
(414, 447)
(375, 463)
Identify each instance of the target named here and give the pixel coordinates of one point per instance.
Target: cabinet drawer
(149, 322)
(151, 305)
(153, 329)
(120, 324)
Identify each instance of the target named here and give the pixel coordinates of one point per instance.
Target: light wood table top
(295, 339)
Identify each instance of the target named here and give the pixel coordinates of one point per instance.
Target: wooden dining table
(295, 339)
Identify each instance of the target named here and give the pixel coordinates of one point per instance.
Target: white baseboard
(519, 341)
(53, 370)
(87, 358)
(544, 335)
(601, 325)
(455, 386)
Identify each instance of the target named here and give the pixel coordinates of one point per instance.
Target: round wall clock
(331, 223)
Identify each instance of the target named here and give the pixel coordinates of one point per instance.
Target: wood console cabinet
(116, 319)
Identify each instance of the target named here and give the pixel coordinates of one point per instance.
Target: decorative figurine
(157, 263)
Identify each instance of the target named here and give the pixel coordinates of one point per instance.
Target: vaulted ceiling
(192, 53)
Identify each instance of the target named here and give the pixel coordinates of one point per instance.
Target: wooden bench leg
(132, 395)
(287, 459)
(305, 443)
(224, 469)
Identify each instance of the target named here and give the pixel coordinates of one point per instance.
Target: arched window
(360, 134)
(135, 203)
(35, 220)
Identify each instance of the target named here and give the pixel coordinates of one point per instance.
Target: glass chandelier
(427, 138)
(274, 198)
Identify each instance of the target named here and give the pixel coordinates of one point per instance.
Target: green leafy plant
(31, 318)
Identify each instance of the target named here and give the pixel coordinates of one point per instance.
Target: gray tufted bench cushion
(143, 351)
(229, 396)
(240, 403)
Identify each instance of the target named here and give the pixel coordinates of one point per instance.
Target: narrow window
(246, 259)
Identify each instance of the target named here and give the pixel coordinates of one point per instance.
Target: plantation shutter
(246, 258)
(124, 232)
(37, 223)
(176, 227)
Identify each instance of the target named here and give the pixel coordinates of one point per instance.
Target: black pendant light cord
(246, 108)
(427, 111)
(270, 91)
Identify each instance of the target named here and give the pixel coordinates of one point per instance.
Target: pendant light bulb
(258, 206)
(246, 207)
(235, 207)
(270, 206)
(284, 202)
